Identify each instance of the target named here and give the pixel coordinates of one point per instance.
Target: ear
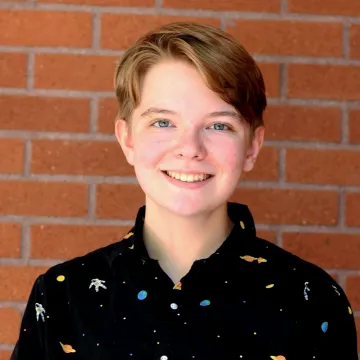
(256, 143)
(123, 136)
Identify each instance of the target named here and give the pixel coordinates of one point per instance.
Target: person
(191, 279)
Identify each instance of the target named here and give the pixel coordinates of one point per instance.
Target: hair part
(224, 64)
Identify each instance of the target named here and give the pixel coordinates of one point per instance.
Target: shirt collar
(243, 230)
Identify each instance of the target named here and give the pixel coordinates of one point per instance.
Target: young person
(191, 280)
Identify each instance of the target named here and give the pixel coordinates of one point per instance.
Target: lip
(188, 172)
(187, 185)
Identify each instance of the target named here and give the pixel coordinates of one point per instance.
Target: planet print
(205, 303)
(67, 348)
(142, 295)
(324, 326)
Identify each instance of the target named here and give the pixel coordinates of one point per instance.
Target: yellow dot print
(350, 311)
(60, 278)
(242, 225)
(270, 286)
(279, 357)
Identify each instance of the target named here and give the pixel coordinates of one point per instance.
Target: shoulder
(96, 264)
(314, 282)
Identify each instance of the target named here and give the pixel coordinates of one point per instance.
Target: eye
(161, 123)
(220, 126)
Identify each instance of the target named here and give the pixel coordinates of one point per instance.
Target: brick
(11, 156)
(35, 113)
(120, 201)
(324, 81)
(9, 325)
(43, 198)
(352, 209)
(266, 167)
(341, 167)
(42, 28)
(354, 125)
(93, 72)
(331, 251)
(355, 41)
(331, 7)
(5, 354)
(17, 281)
(271, 74)
(13, 70)
(267, 235)
(144, 3)
(228, 5)
(288, 37)
(68, 241)
(108, 109)
(10, 235)
(119, 31)
(278, 206)
(103, 158)
(305, 123)
(353, 291)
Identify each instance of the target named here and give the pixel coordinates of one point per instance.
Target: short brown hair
(224, 64)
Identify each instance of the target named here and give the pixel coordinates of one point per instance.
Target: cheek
(148, 151)
(229, 154)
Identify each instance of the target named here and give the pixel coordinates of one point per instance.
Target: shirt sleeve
(30, 343)
(329, 331)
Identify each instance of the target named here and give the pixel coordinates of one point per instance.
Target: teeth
(188, 178)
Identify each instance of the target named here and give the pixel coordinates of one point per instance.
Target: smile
(189, 178)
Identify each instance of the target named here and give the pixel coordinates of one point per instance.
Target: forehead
(179, 86)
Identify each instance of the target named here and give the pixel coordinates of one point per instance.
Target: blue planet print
(142, 295)
(324, 326)
(205, 303)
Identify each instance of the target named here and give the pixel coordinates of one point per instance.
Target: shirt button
(164, 357)
(174, 307)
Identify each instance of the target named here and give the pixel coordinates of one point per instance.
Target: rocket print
(40, 311)
(306, 289)
(97, 283)
(335, 288)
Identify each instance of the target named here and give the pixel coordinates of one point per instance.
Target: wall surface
(65, 188)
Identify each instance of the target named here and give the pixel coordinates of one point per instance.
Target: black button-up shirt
(249, 300)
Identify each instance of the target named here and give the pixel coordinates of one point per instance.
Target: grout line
(158, 4)
(282, 166)
(283, 81)
(344, 123)
(342, 208)
(94, 116)
(30, 71)
(346, 39)
(96, 33)
(25, 241)
(92, 201)
(283, 7)
(27, 156)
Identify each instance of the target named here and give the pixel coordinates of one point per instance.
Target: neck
(176, 241)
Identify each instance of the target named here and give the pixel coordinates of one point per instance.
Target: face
(198, 133)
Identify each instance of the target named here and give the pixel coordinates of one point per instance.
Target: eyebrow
(154, 110)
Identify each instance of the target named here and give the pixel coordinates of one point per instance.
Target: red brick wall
(65, 188)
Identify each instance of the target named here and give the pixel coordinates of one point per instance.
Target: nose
(190, 145)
